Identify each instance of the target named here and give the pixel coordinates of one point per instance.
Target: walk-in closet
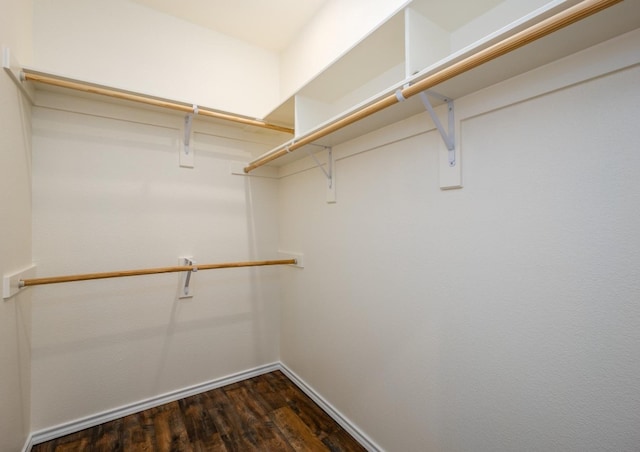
(341, 225)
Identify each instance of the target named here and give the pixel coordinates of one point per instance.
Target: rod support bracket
(185, 278)
(12, 283)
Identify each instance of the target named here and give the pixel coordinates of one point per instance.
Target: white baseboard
(110, 415)
(345, 423)
(28, 444)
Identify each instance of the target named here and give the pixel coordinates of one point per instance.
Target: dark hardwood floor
(265, 413)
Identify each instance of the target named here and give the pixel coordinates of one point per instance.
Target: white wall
(108, 194)
(15, 228)
(123, 44)
(337, 27)
(503, 316)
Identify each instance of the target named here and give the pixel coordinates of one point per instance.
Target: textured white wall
(108, 194)
(124, 44)
(15, 231)
(500, 317)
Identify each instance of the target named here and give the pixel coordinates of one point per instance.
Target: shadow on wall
(112, 306)
(261, 238)
(22, 302)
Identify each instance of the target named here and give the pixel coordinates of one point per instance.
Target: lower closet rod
(151, 271)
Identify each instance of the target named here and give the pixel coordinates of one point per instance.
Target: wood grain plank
(272, 397)
(342, 441)
(43, 447)
(170, 431)
(107, 437)
(236, 434)
(80, 445)
(254, 412)
(200, 427)
(299, 436)
(248, 406)
(138, 432)
(80, 441)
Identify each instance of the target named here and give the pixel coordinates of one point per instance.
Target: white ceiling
(270, 24)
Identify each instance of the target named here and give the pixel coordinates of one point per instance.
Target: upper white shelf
(426, 37)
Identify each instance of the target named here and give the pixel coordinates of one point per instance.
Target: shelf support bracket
(448, 136)
(186, 154)
(329, 172)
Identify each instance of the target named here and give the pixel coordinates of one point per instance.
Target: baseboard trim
(110, 415)
(336, 415)
(28, 444)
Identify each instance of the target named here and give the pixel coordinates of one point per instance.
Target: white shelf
(411, 47)
(369, 67)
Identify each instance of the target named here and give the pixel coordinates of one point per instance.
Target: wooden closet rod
(150, 271)
(541, 29)
(141, 98)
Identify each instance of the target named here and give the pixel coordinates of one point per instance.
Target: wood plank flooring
(265, 413)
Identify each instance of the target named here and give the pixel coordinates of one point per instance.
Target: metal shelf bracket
(329, 172)
(186, 153)
(448, 136)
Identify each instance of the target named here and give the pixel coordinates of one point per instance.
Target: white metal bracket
(329, 173)
(186, 153)
(448, 136)
(450, 173)
(185, 278)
